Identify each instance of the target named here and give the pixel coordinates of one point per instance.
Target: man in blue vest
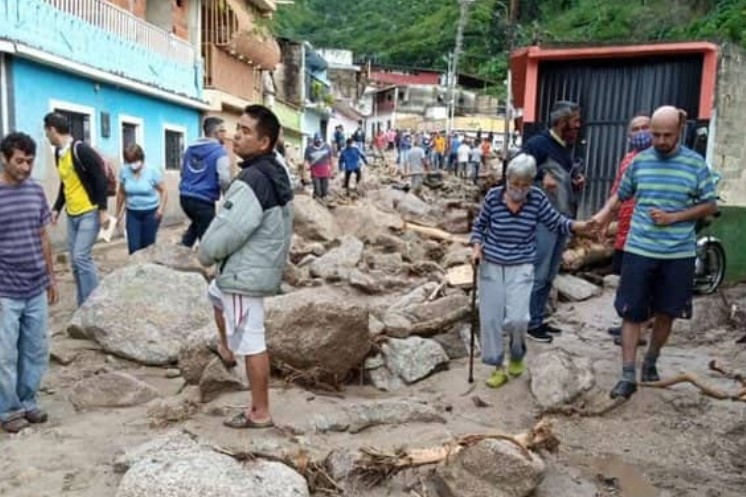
(205, 173)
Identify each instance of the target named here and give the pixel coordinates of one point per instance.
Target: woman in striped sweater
(504, 241)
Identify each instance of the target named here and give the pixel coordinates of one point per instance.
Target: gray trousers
(320, 187)
(504, 298)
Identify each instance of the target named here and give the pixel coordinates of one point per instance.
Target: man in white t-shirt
(416, 165)
(464, 150)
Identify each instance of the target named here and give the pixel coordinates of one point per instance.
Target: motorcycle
(709, 265)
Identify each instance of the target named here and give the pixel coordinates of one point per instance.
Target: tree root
(314, 379)
(732, 375)
(707, 390)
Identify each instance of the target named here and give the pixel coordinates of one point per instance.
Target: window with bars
(174, 141)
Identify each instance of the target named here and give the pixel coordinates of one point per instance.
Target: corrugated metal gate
(610, 92)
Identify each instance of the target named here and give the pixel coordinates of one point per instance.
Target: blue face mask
(641, 140)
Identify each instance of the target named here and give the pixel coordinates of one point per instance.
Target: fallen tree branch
(435, 233)
(707, 390)
(731, 375)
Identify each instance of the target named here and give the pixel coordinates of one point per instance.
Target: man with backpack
(84, 194)
(205, 173)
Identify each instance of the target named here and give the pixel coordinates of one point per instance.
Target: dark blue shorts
(655, 286)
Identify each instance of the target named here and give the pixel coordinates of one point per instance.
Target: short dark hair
(133, 153)
(17, 141)
(267, 124)
(58, 121)
(210, 125)
(349, 141)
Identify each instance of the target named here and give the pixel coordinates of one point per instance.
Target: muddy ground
(674, 442)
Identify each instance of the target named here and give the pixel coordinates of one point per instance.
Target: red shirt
(625, 211)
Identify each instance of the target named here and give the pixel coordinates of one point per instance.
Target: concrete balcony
(99, 35)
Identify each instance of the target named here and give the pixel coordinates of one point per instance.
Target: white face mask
(135, 166)
(516, 195)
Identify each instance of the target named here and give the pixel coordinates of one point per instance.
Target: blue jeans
(549, 248)
(142, 227)
(24, 354)
(82, 232)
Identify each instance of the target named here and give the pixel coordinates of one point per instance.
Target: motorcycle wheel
(712, 258)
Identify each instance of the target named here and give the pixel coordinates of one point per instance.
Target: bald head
(665, 127)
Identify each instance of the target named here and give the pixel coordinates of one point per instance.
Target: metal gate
(610, 92)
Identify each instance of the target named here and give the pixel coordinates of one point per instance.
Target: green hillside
(420, 32)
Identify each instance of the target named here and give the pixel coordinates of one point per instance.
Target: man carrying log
(672, 187)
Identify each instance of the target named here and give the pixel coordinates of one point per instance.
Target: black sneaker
(641, 342)
(649, 373)
(540, 335)
(552, 329)
(624, 388)
(615, 331)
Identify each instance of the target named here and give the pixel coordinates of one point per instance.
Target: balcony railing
(128, 26)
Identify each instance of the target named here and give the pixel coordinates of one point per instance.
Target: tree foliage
(420, 33)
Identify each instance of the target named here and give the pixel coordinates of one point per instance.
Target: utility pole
(453, 79)
(512, 15)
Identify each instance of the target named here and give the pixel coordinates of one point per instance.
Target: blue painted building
(116, 75)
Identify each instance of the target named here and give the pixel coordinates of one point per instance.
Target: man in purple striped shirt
(27, 284)
(504, 240)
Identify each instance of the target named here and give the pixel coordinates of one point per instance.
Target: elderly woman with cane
(504, 246)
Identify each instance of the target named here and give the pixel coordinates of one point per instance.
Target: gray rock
(388, 263)
(171, 445)
(293, 275)
(559, 482)
(196, 354)
(428, 318)
(574, 289)
(708, 313)
(375, 326)
(300, 248)
(415, 296)
(317, 328)
(216, 379)
(413, 358)
(412, 206)
(390, 243)
(434, 251)
(456, 221)
(336, 264)
(113, 315)
(313, 221)
(453, 344)
(457, 255)
(383, 379)
(341, 463)
(358, 417)
(173, 256)
(364, 282)
(366, 221)
(200, 472)
(559, 377)
(115, 389)
(493, 468)
(611, 281)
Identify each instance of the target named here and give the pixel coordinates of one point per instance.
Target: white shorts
(244, 320)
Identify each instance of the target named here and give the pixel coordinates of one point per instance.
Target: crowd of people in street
(517, 240)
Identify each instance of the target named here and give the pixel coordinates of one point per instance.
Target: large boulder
(116, 389)
(412, 206)
(336, 264)
(180, 467)
(455, 221)
(313, 221)
(365, 221)
(559, 377)
(317, 328)
(196, 353)
(217, 379)
(171, 255)
(355, 418)
(144, 312)
(574, 289)
(493, 468)
(391, 263)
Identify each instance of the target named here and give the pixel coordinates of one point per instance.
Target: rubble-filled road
(369, 323)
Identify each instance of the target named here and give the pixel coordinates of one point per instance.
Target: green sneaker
(498, 378)
(516, 368)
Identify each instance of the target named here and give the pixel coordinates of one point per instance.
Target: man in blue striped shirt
(26, 284)
(504, 239)
(673, 188)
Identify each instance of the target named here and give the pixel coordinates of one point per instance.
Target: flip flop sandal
(241, 422)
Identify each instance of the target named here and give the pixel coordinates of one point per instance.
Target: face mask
(516, 195)
(641, 140)
(136, 166)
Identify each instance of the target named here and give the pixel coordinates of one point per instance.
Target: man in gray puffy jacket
(249, 241)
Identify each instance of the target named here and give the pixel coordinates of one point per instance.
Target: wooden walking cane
(474, 318)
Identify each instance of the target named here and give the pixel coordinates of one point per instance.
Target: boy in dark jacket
(349, 162)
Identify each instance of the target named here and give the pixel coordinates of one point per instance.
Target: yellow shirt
(440, 144)
(75, 195)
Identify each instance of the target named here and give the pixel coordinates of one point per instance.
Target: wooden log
(435, 233)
